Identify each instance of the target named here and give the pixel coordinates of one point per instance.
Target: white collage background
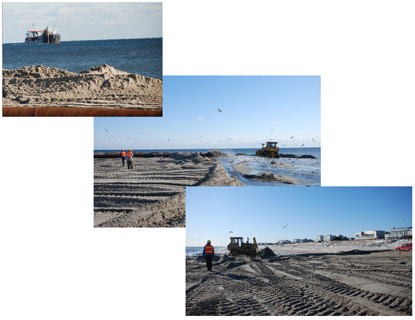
(55, 265)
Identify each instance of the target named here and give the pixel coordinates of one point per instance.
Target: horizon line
(94, 40)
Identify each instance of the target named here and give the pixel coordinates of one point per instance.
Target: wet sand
(348, 283)
(153, 193)
(243, 169)
(102, 87)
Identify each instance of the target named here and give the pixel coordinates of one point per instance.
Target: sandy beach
(100, 88)
(324, 281)
(153, 193)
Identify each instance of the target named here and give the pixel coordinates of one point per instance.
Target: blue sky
(262, 212)
(254, 109)
(83, 21)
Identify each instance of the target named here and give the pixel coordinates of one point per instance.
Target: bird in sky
(230, 231)
(285, 226)
(313, 139)
(292, 137)
(168, 140)
(302, 145)
(106, 130)
(220, 110)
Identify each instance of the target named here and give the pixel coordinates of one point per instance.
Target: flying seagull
(220, 110)
(230, 231)
(292, 137)
(284, 226)
(302, 145)
(106, 130)
(313, 139)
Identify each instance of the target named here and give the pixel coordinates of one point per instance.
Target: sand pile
(100, 87)
(271, 177)
(376, 283)
(153, 193)
(243, 169)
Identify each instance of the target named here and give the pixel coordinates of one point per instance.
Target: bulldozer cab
(236, 241)
(237, 247)
(271, 145)
(269, 150)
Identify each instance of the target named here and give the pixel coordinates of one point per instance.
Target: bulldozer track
(149, 195)
(291, 287)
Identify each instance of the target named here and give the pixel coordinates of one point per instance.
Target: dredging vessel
(42, 36)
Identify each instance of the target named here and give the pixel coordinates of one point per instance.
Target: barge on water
(42, 36)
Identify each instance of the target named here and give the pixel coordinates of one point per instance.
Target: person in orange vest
(130, 156)
(208, 253)
(122, 155)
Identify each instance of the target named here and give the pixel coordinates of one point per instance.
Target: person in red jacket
(208, 253)
(130, 156)
(122, 155)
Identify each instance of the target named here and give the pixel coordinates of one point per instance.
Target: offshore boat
(43, 36)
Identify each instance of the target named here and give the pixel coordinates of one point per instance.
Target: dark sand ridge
(359, 283)
(243, 169)
(101, 87)
(153, 193)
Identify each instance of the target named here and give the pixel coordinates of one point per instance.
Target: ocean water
(198, 251)
(141, 56)
(307, 171)
(248, 151)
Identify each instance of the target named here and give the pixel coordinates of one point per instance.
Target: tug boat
(42, 36)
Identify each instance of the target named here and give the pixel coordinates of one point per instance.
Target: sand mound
(267, 252)
(101, 86)
(271, 177)
(215, 154)
(304, 156)
(218, 176)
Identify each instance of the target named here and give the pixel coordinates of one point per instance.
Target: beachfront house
(304, 240)
(399, 233)
(373, 234)
(320, 238)
(329, 237)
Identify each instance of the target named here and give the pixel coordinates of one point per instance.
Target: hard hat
(208, 242)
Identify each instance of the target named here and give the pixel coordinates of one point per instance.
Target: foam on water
(305, 170)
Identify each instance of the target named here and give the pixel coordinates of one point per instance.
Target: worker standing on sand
(122, 155)
(208, 253)
(130, 159)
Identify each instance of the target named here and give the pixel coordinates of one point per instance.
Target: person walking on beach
(122, 155)
(208, 253)
(130, 159)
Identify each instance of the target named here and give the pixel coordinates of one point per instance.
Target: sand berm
(100, 87)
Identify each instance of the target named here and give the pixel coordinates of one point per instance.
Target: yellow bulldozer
(238, 247)
(270, 150)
